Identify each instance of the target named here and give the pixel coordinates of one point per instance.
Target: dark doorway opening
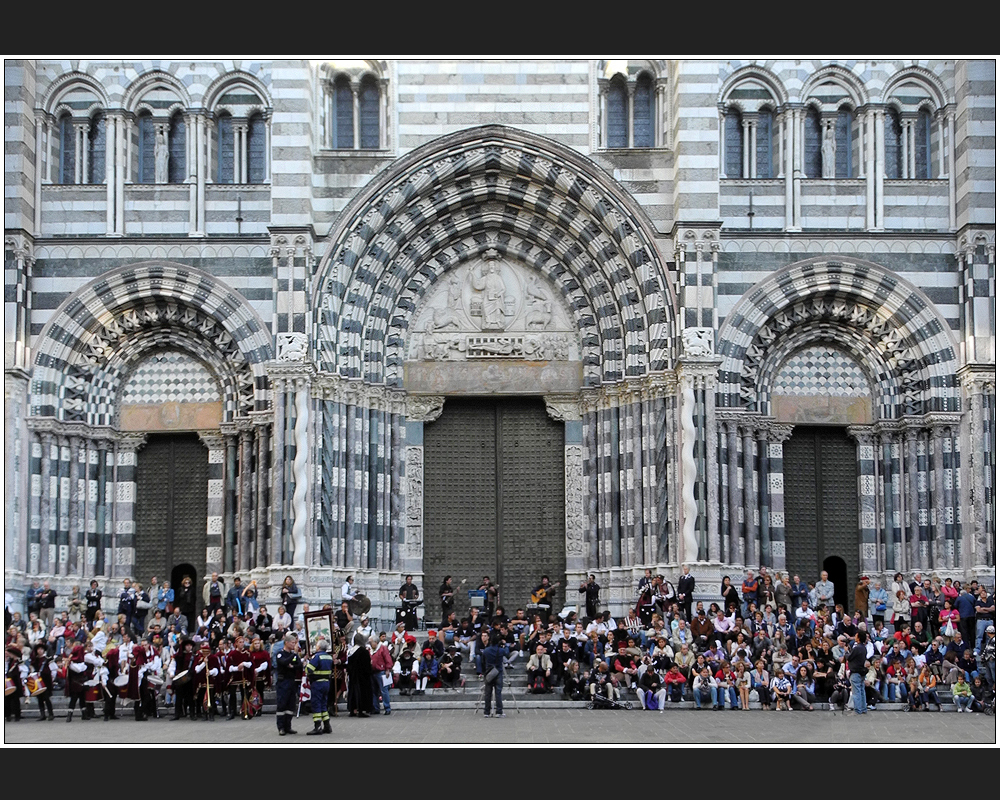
(836, 570)
(494, 499)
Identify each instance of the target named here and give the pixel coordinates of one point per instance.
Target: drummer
(409, 594)
(44, 670)
(182, 683)
(15, 674)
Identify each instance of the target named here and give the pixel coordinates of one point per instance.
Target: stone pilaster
(127, 448)
(216, 444)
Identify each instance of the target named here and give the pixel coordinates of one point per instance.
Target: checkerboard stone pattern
(171, 376)
(821, 371)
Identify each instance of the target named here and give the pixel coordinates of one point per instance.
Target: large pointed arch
(493, 186)
(883, 320)
(85, 351)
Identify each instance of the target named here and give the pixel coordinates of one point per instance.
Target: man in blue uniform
(288, 668)
(319, 669)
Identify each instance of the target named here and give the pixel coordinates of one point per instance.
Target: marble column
(216, 444)
(245, 500)
(127, 448)
(864, 436)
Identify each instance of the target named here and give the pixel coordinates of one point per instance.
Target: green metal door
(821, 505)
(493, 500)
(171, 507)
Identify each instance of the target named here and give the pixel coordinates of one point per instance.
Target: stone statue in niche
(698, 341)
(292, 347)
(829, 152)
(161, 156)
(494, 293)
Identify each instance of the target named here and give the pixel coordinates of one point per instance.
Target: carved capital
(213, 440)
(131, 441)
(863, 434)
(424, 408)
(563, 407)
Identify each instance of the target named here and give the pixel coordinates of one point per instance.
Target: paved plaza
(533, 726)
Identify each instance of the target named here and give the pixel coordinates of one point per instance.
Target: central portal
(494, 501)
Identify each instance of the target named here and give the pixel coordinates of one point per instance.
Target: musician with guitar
(447, 592)
(544, 597)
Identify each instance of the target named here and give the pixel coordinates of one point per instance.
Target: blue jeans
(963, 702)
(715, 697)
(858, 693)
(385, 692)
(981, 626)
(489, 689)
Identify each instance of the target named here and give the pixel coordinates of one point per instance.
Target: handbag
(492, 675)
(143, 605)
(949, 629)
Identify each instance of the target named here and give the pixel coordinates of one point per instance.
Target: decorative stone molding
(292, 347)
(698, 342)
(562, 408)
(575, 534)
(424, 408)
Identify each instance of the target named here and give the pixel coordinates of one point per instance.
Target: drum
(36, 685)
(155, 681)
(92, 694)
(9, 687)
(181, 678)
(121, 681)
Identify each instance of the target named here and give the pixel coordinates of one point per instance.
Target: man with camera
(493, 656)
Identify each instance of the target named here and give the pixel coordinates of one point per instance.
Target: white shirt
(347, 591)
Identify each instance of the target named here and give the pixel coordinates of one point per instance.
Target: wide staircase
(464, 698)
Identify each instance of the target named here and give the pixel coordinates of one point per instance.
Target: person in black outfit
(447, 593)
(493, 657)
(593, 594)
(685, 592)
(289, 675)
(93, 600)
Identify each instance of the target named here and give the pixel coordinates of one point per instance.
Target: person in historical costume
(288, 672)
(137, 680)
(359, 679)
(239, 668)
(76, 674)
(184, 660)
(15, 674)
(206, 670)
(153, 677)
(44, 670)
(110, 691)
(261, 668)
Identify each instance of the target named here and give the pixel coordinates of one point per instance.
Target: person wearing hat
(428, 669)
(15, 671)
(46, 670)
(184, 694)
(449, 667)
(988, 655)
(207, 667)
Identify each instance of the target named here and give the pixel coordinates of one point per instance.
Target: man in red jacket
(382, 671)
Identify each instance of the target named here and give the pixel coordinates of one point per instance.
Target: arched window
(922, 145)
(765, 135)
(643, 128)
(813, 155)
(734, 143)
(368, 102)
(617, 113)
(224, 148)
(146, 172)
(96, 149)
(842, 134)
(177, 138)
(256, 153)
(67, 150)
(343, 115)
(893, 145)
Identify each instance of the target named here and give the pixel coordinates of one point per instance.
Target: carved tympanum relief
(491, 308)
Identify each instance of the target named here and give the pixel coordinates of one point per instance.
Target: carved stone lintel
(131, 441)
(424, 408)
(563, 407)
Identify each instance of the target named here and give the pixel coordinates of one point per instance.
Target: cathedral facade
(506, 318)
